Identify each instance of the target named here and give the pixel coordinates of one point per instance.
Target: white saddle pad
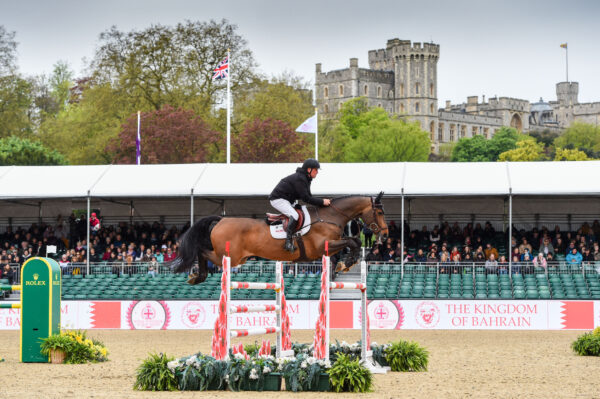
(279, 233)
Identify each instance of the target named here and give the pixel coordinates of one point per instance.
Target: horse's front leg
(349, 242)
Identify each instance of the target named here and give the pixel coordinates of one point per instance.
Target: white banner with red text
(383, 314)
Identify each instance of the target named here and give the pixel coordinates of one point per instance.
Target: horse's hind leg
(345, 265)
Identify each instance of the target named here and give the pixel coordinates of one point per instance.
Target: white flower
(239, 356)
(266, 370)
(173, 364)
(227, 378)
(253, 374)
(304, 364)
(191, 360)
(311, 360)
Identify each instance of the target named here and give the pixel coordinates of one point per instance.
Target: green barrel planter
(321, 386)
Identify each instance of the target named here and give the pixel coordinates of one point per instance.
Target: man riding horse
(293, 188)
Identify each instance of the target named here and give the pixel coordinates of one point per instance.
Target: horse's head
(374, 217)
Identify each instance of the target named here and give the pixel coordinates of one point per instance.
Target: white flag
(308, 126)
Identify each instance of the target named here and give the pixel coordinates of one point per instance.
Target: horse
(207, 239)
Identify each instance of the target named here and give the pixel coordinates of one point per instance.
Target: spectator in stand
(455, 254)
(596, 251)
(572, 246)
(540, 261)
(502, 265)
(420, 256)
(490, 250)
(516, 252)
(491, 264)
(94, 256)
(455, 267)
(374, 255)
(480, 257)
(467, 251)
(170, 255)
(160, 257)
(389, 255)
(516, 265)
(412, 241)
(478, 251)
(148, 256)
(65, 264)
(94, 223)
(434, 236)
(587, 257)
(525, 246)
(8, 273)
(546, 247)
(444, 251)
(368, 233)
(444, 263)
(574, 257)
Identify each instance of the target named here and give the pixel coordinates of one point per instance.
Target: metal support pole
(87, 250)
(510, 223)
(402, 238)
(192, 208)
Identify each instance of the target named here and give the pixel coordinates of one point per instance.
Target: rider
(292, 188)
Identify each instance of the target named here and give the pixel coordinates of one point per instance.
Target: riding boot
(289, 243)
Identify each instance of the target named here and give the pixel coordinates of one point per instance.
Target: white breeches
(285, 207)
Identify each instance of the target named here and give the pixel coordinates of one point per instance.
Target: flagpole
(228, 108)
(138, 147)
(317, 133)
(567, 53)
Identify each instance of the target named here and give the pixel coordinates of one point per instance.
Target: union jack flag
(222, 70)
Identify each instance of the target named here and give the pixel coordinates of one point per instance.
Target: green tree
(8, 52)
(580, 136)
(82, 131)
(60, 83)
(474, 149)
(173, 65)
(16, 100)
(168, 136)
(570, 155)
(527, 150)
(269, 141)
(18, 151)
(370, 135)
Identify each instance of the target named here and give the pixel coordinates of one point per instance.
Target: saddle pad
(279, 233)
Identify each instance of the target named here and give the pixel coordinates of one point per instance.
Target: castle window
(417, 71)
(391, 94)
(326, 108)
(341, 91)
(431, 108)
(401, 109)
(441, 132)
(463, 131)
(417, 107)
(486, 132)
(340, 106)
(326, 92)
(432, 130)
(452, 135)
(366, 90)
(417, 88)
(431, 89)
(378, 91)
(379, 105)
(401, 89)
(474, 131)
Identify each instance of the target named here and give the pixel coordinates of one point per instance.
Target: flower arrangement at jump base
(254, 368)
(73, 347)
(588, 344)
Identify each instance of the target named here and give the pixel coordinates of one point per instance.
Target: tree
(17, 151)
(274, 100)
(269, 140)
(370, 135)
(570, 155)
(60, 83)
(478, 149)
(173, 65)
(581, 136)
(8, 52)
(15, 105)
(168, 136)
(527, 150)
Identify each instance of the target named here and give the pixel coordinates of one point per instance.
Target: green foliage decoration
(154, 374)
(587, 344)
(406, 356)
(348, 375)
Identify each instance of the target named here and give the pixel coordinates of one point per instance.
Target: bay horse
(207, 238)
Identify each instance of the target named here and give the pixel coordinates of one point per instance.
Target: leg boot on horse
(289, 240)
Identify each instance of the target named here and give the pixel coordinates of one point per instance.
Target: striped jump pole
(223, 332)
(321, 341)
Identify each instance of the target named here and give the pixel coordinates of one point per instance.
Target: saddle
(277, 218)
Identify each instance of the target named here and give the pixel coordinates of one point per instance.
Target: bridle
(374, 226)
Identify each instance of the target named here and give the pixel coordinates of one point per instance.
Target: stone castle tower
(402, 79)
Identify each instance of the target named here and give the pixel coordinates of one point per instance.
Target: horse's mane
(348, 196)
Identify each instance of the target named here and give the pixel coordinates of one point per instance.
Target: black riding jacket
(295, 187)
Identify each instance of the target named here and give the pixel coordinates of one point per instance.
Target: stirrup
(289, 245)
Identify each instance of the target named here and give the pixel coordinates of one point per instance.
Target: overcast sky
(505, 48)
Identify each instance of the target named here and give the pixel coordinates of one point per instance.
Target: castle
(402, 79)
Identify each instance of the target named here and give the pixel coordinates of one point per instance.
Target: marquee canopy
(257, 180)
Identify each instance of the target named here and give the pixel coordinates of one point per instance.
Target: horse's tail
(193, 243)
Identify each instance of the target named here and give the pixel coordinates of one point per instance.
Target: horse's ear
(378, 198)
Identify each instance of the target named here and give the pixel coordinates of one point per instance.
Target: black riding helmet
(311, 163)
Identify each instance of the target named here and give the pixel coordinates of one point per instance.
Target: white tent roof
(251, 180)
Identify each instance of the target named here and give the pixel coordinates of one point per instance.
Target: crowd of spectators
(449, 245)
(123, 243)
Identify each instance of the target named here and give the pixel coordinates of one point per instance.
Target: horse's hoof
(193, 279)
(340, 267)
